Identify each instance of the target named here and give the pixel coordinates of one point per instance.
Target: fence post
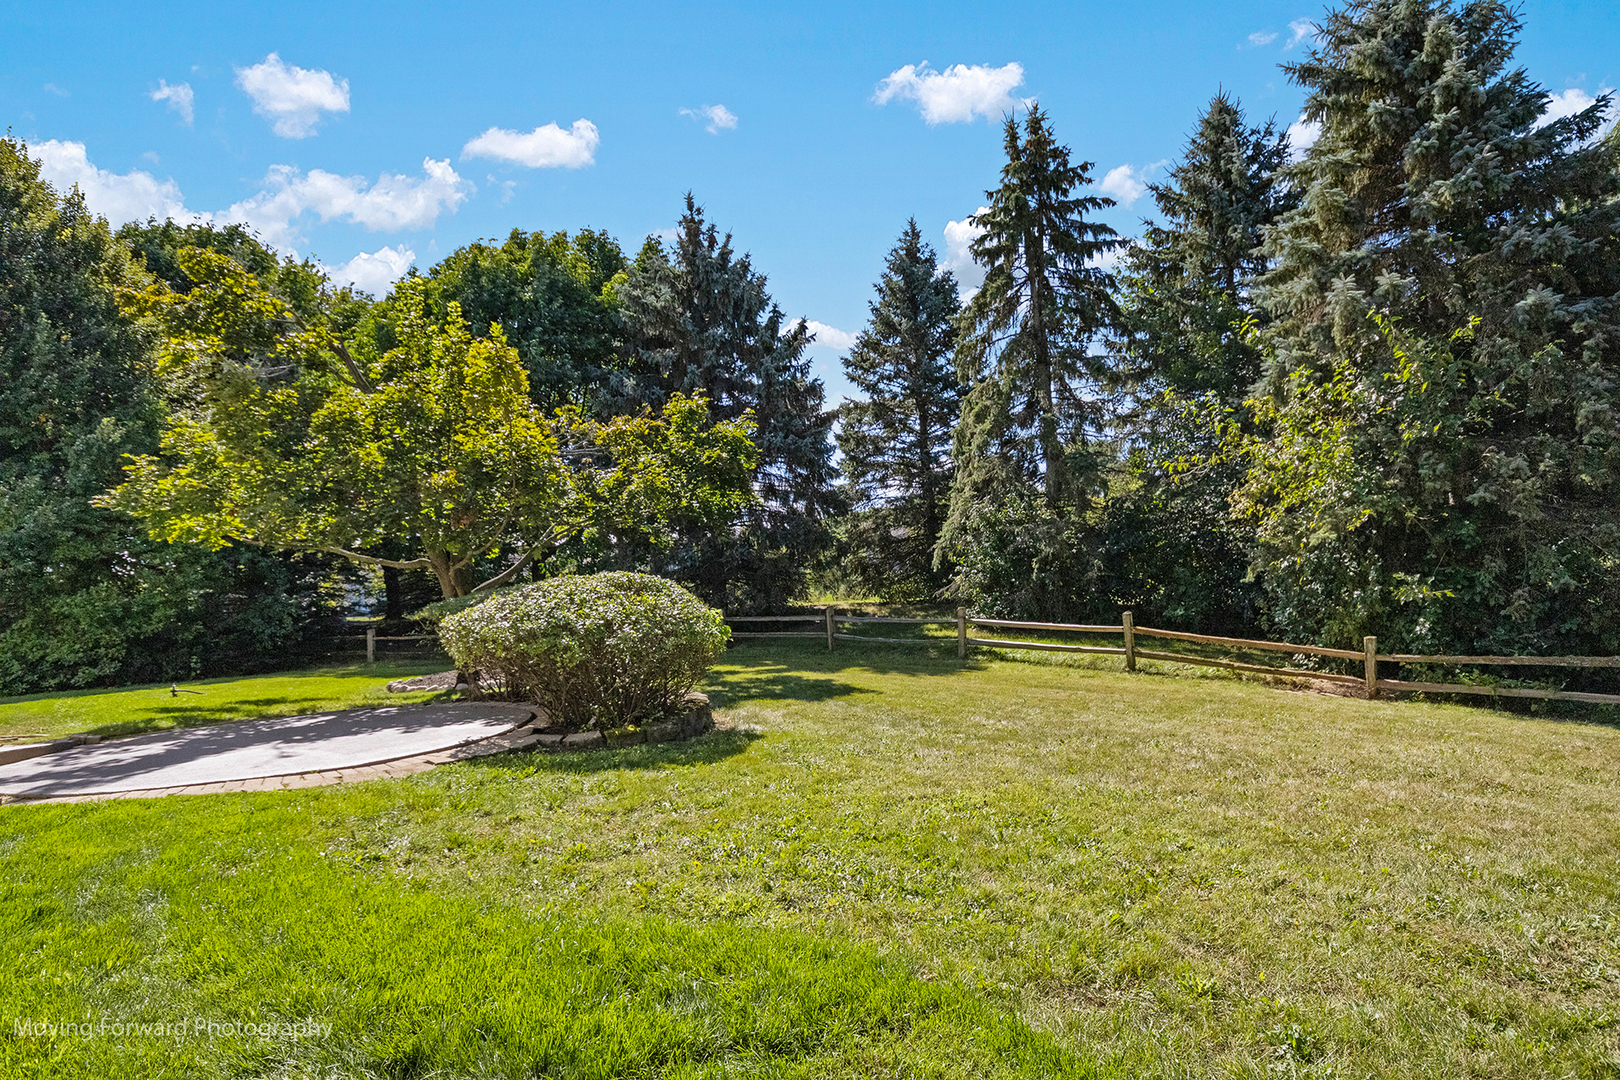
(961, 633)
(831, 623)
(371, 645)
(1130, 640)
(1369, 647)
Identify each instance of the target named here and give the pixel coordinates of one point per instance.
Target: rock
(666, 731)
(699, 717)
(549, 739)
(582, 740)
(625, 737)
(444, 680)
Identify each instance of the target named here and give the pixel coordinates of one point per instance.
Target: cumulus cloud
(1575, 100)
(1302, 135)
(375, 271)
(393, 203)
(118, 197)
(1298, 31)
(957, 94)
(547, 147)
(178, 96)
(1262, 37)
(958, 259)
(1126, 184)
(292, 98)
(715, 118)
(831, 336)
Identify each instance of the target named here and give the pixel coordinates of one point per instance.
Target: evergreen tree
(1439, 461)
(1027, 332)
(1185, 288)
(896, 441)
(698, 320)
(1024, 444)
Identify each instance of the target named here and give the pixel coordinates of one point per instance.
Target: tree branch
(373, 560)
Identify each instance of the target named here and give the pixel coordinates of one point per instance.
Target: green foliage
(1186, 310)
(281, 437)
(1026, 334)
(896, 442)
(1444, 473)
(85, 597)
(699, 320)
(603, 650)
(554, 298)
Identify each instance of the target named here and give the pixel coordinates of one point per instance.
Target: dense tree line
(1371, 385)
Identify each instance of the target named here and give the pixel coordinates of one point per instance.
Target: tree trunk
(395, 602)
(450, 581)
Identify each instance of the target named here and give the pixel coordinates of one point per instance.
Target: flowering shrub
(598, 651)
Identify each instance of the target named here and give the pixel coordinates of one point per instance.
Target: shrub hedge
(603, 650)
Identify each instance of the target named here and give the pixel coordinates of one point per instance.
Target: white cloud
(957, 94)
(1298, 31)
(375, 271)
(52, 88)
(716, 117)
(1262, 37)
(178, 96)
(1575, 100)
(959, 236)
(1302, 135)
(547, 147)
(118, 197)
(831, 336)
(393, 203)
(292, 98)
(1127, 184)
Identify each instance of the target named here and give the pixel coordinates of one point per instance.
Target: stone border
(525, 735)
(698, 719)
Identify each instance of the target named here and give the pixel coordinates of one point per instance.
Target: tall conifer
(896, 442)
(1440, 460)
(698, 319)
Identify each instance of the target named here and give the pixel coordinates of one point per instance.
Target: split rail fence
(829, 622)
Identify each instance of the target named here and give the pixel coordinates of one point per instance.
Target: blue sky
(375, 136)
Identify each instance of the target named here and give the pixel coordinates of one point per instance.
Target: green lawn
(889, 866)
(132, 710)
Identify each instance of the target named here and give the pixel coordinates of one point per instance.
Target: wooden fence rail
(1368, 654)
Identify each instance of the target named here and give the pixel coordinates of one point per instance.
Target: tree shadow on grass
(709, 749)
(877, 657)
(164, 717)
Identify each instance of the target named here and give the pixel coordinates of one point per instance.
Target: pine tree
(1026, 463)
(698, 319)
(896, 442)
(1186, 296)
(1026, 334)
(1440, 457)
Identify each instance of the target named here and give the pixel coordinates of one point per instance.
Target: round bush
(602, 650)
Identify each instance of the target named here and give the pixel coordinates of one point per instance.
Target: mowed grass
(132, 710)
(890, 865)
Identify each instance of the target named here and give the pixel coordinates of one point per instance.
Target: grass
(132, 710)
(890, 865)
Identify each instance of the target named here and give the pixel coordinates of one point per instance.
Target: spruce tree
(1027, 332)
(1026, 463)
(1186, 285)
(1439, 461)
(896, 441)
(698, 319)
